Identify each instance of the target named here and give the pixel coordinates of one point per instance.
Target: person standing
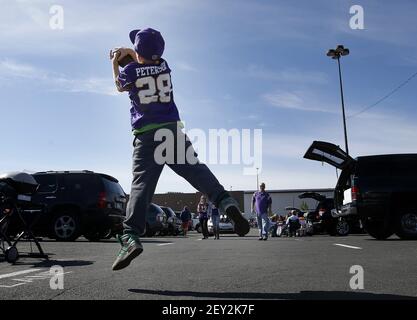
(185, 218)
(215, 219)
(202, 210)
(261, 204)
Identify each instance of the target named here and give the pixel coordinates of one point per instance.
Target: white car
(225, 226)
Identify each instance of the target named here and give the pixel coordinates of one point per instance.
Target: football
(126, 55)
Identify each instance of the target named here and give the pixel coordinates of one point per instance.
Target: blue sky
(236, 64)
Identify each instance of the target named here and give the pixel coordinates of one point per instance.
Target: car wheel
(379, 229)
(11, 254)
(406, 224)
(66, 226)
(149, 232)
(93, 236)
(98, 235)
(108, 234)
(198, 228)
(342, 228)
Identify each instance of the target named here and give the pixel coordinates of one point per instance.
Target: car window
(112, 187)
(155, 209)
(171, 212)
(374, 168)
(168, 211)
(78, 182)
(392, 167)
(47, 183)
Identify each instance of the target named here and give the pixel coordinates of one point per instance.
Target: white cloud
(288, 75)
(294, 100)
(10, 69)
(185, 66)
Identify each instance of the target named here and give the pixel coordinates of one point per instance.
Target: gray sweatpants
(146, 172)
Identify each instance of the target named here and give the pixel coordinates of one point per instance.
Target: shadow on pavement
(144, 240)
(50, 263)
(391, 240)
(303, 295)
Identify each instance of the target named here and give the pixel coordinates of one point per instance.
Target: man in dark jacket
(185, 218)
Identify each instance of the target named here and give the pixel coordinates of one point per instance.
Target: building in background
(177, 200)
(287, 198)
(280, 199)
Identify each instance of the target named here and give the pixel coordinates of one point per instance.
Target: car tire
(98, 235)
(148, 231)
(406, 224)
(342, 228)
(378, 229)
(66, 226)
(171, 230)
(108, 235)
(93, 236)
(198, 228)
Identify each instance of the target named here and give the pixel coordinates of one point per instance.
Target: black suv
(380, 189)
(75, 203)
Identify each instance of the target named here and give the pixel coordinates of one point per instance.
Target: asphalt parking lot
(233, 267)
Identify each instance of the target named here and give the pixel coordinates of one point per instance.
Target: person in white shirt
(293, 223)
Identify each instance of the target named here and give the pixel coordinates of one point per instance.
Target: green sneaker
(131, 248)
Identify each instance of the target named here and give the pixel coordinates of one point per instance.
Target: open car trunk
(312, 195)
(329, 153)
(336, 157)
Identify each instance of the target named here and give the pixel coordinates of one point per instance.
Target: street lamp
(336, 54)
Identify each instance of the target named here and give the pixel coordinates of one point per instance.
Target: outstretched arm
(116, 71)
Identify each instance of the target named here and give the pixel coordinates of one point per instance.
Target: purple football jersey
(150, 92)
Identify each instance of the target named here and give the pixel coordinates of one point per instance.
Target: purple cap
(148, 43)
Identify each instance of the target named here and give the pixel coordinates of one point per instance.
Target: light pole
(336, 54)
(257, 179)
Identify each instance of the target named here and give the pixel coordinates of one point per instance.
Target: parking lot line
(347, 246)
(18, 273)
(164, 244)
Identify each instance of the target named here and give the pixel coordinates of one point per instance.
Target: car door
(329, 153)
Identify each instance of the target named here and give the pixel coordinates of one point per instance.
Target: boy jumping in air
(148, 81)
